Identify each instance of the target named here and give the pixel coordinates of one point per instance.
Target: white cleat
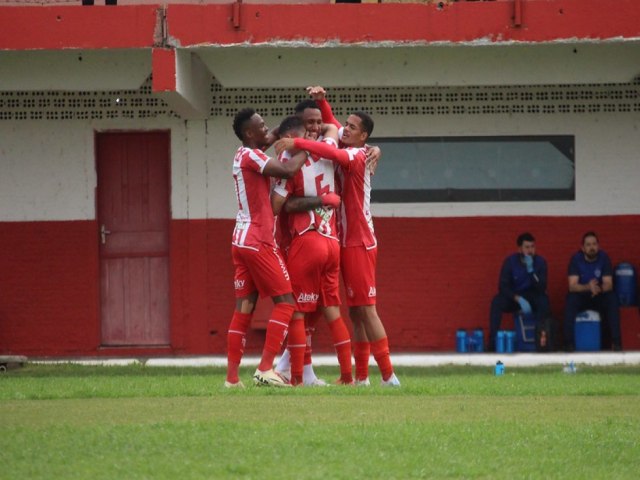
(238, 385)
(392, 381)
(286, 374)
(269, 379)
(363, 383)
(316, 382)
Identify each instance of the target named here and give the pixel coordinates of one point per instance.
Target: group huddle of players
(317, 195)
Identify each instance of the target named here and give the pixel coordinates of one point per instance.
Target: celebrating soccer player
(259, 267)
(359, 244)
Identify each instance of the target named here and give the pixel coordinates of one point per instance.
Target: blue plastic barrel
(625, 284)
(461, 341)
(587, 331)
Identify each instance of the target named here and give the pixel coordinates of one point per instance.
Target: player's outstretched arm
(330, 152)
(273, 168)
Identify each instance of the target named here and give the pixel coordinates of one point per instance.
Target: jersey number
(319, 188)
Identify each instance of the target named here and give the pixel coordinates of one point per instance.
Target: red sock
(342, 344)
(361, 352)
(297, 345)
(235, 344)
(310, 327)
(380, 350)
(276, 331)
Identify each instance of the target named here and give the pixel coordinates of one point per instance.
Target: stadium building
(116, 197)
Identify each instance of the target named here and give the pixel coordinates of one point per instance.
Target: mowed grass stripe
(317, 409)
(370, 439)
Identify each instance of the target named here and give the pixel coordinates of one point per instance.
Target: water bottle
(500, 341)
(510, 340)
(461, 341)
(570, 368)
(499, 368)
(478, 335)
(471, 343)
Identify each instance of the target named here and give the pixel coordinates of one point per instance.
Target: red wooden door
(133, 218)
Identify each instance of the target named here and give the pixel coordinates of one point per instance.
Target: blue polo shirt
(586, 271)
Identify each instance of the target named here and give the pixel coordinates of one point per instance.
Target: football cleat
(341, 381)
(392, 381)
(363, 383)
(269, 379)
(238, 384)
(316, 382)
(286, 374)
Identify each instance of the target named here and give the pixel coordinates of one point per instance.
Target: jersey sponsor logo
(307, 298)
(372, 291)
(239, 284)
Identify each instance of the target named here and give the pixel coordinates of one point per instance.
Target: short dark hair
(304, 104)
(525, 237)
(240, 121)
(589, 234)
(367, 122)
(290, 123)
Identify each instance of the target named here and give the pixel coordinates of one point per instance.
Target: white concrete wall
(47, 167)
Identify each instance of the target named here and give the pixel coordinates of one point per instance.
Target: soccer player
(259, 267)
(314, 255)
(359, 244)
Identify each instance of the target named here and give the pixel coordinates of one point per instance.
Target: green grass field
(66, 421)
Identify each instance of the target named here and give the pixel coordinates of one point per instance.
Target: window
(475, 169)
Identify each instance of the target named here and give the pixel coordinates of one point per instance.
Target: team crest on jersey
(307, 298)
(597, 273)
(372, 291)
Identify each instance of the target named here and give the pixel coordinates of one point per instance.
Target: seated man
(522, 286)
(591, 288)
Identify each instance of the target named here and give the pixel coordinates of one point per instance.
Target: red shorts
(359, 274)
(314, 265)
(262, 270)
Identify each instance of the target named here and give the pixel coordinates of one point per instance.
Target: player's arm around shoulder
(274, 168)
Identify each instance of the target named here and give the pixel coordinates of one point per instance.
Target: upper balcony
(61, 44)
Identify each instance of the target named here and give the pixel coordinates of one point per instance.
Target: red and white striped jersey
(356, 222)
(315, 178)
(255, 220)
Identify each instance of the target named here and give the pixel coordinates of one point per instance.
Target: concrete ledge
(400, 360)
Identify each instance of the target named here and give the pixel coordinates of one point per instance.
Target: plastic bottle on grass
(570, 368)
(499, 368)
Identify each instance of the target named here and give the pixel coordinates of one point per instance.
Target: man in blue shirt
(591, 288)
(522, 286)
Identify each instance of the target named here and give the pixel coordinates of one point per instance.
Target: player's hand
(283, 144)
(331, 200)
(373, 155)
(317, 92)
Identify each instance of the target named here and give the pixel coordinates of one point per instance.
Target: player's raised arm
(319, 95)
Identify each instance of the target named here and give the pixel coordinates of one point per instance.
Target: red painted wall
(434, 275)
